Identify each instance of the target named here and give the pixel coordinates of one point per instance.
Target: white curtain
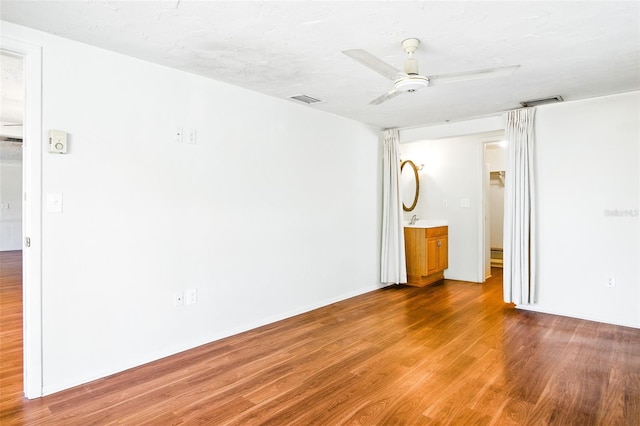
(519, 218)
(393, 266)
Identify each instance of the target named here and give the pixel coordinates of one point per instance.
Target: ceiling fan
(410, 80)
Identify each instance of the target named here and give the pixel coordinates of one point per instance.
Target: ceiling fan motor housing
(411, 84)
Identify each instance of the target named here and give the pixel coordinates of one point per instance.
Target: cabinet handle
(438, 244)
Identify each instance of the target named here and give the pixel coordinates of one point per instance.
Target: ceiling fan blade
(370, 61)
(389, 95)
(11, 139)
(472, 75)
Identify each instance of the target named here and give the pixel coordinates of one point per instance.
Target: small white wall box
(57, 142)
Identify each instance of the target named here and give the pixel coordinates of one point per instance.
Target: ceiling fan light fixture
(411, 84)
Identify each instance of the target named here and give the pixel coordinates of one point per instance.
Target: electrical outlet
(611, 281)
(178, 299)
(445, 203)
(177, 134)
(191, 296)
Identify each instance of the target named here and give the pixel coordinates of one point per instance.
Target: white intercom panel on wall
(57, 141)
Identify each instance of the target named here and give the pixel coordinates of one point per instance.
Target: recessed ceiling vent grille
(306, 99)
(536, 102)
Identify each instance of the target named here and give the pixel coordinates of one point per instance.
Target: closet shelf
(497, 175)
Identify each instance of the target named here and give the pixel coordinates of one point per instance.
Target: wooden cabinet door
(437, 254)
(432, 255)
(443, 253)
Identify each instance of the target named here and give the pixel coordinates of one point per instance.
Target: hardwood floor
(10, 331)
(451, 353)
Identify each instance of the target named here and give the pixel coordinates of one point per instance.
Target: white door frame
(486, 225)
(31, 214)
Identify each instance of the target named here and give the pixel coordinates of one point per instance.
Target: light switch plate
(191, 136)
(191, 296)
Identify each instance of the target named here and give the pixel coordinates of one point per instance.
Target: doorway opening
(11, 144)
(11, 220)
(29, 57)
(495, 173)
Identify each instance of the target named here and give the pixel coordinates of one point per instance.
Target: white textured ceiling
(576, 49)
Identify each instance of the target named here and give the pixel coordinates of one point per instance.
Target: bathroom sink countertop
(425, 223)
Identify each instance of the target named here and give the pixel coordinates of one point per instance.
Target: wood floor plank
(448, 354)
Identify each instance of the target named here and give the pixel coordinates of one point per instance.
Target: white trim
(486, 216)
(535, 308)
(32, 214)
(480, 190)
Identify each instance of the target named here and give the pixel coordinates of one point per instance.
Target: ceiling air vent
(536, 102)
(306, 99)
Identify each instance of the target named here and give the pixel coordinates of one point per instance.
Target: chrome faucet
(414, 219)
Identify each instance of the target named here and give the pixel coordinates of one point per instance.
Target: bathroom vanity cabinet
(427, 254)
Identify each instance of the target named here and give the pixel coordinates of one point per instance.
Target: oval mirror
(409, 185)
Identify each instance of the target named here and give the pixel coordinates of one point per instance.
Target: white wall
(453, 129)
(495, 158)
(587, 162)
(273, 212)
(10, 206)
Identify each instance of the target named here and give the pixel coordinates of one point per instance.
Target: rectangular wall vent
(536, 102)
(306, 99)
